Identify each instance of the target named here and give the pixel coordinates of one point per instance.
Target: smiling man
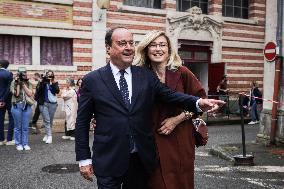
(121, 97)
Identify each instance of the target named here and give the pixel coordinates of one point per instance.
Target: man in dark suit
(6, 78)
(121, 97)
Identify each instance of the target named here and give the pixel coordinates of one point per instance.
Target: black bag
(199, 141)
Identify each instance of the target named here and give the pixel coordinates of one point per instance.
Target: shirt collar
(115, 69)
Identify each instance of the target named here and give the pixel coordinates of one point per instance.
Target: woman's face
(67, 83)
(158, 50)
(80, 82)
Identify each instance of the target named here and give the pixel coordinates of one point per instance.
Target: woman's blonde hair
(141, 58)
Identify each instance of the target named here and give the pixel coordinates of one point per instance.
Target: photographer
(46, 98)
(21, 109)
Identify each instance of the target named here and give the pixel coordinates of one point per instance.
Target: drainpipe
(278, 63)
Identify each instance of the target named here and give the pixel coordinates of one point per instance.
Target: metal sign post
(243, 159)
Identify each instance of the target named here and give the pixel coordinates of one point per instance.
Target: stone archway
(193, 25)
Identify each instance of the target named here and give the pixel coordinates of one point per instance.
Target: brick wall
(244, 62)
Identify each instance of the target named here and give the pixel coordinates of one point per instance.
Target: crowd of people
(18, 96)
(141, 108)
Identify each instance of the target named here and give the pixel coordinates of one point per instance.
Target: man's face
(122, 49)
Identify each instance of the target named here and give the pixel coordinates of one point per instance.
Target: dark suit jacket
(100, 96)
(6, 78)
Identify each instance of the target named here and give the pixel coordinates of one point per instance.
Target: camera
(21, 75)
(46, 78)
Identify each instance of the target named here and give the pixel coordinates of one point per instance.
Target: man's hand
(210, 105)
(87, 172)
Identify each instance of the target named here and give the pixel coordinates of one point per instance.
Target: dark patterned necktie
(125, 94)
(124, 88)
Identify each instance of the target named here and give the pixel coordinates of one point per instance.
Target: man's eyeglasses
(124, 43)
(156, 45)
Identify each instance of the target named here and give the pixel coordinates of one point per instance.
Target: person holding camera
(22, 101)
(6, 77)
(47, 100)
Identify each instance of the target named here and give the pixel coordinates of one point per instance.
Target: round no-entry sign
(269, 51)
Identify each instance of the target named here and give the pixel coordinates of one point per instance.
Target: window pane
(229, 11)
(237, 3)
(56, 51)
(245, 13)
(229, 2)
(16, 49)
(185, 54)
(237, 12)
(157, 4)
(194, 3)
(245, 3)
(183, 5)
(144, 3)
(204, 8)
(201, 56)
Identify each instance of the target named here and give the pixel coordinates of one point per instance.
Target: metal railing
(230, 108)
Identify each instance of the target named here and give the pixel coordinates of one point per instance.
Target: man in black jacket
(6, 77)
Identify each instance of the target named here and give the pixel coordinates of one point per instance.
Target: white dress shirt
(127, 75)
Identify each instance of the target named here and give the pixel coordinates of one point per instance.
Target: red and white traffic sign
(269, 51)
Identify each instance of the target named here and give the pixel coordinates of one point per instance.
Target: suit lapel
(109, 81)
(137, 77)
(172, 79)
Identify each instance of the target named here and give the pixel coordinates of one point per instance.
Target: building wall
(56, 18)
(52, 18)
(242, 39)
(269, 74)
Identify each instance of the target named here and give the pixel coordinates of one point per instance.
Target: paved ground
(213, 172)
(24, 169)
(20, 170)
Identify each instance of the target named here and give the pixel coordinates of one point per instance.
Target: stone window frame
(64, 2)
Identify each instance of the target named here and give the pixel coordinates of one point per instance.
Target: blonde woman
(172, 126)
(70, 107)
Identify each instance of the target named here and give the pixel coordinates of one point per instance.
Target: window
(183, 5)
(235, 8)
(156, 4)
(16, 49)
(56, 51)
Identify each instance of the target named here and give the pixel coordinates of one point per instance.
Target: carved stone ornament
(194, 20)
(194, 25)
